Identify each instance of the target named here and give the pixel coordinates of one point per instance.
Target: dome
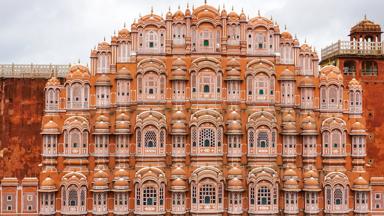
(179, 183)
(233, 115)
(354, 84)
(311, 184)
(121, 183)
(287, 75)
(235, 171)
(205, 12)
(357, 126)
(233, 16)
(78, 72)
(102, 122)
(123, 73)
(123, 32)
(100, 184)
(234, 126)
(179, 62)
(53, 81)
(290, 172)
(179, 128)
(286, 35)
(288, 117)
(103, 46)
(178, 171)
(366, 25)
(330, 73)
(178, 115)
(178, 15)
(360, 181)
(233, 63)
(100, 174)
(310, 173)
(235, 183)
(243, 17)
(48, 183)
(121, 173)
(122, 117)
(291, 182)
(51, 125)
(179, 70)
(306, 82)
(308, 124)
(103, 80)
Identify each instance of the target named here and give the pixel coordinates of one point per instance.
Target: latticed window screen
(72, 196)
(251, 138)
(149, 196)
(150, 139)
(262, 140)
(207, 137)
(207, 194)
(264, 196)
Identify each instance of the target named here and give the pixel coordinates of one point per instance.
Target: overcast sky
(61, 32)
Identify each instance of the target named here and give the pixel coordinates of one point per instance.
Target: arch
(206, 115)
(332, 123)
(207, 172)
(151, 64)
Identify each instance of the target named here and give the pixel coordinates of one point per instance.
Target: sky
(64, 31)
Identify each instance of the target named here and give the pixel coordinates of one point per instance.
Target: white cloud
(60, 32)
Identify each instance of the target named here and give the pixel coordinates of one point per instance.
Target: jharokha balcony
(352, 48)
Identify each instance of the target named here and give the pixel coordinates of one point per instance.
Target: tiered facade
(203, 113)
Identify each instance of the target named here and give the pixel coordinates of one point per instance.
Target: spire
(151, 10)
(233, 8)
(104, 38)
(169, 8)
(178, 7)
(258, 12)
(365, 16)
(205, 1)
(187, 5)
(271, 18)
(125, 24)
(285, 27)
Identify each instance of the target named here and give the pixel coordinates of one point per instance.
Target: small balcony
(352, 48)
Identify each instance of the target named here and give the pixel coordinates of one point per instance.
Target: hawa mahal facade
(203, 112)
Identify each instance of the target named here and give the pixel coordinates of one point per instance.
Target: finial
(305, 40)
(205, 1)
(193, 7)
(296, 36)
(78, 61)
(125, 24)
(233, 8)
(187, 5)
(365, 16)
(178, 7)
(104, 38)
(218, 8)
(285, 27)
(151, 10)
(271, 18)
(223, 6)
(258, 12)
(140, 15)
(169, 8)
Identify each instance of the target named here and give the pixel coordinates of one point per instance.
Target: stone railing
(32, 70)
(352, 48)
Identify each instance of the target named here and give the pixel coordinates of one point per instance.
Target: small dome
(100, 174)
(311, 182)
(360, 181)
(53, 81)
(310, 173)
(100, 184)
(121, 183)
(286, 35)
(287, 75)
(233, 115)
(178, 15)
(78, 72)
(121, 173)
(103, 80)
(290, 172)
(357, 126)
(123, 73)
(288, 116)
(123, 32)
(178, 115)
(233, 16)
(103, 46)
(235, 182)
(122, 117)
(366, 25)
(354, 84)
(179, 62)
(306, 82)
(51, 125)
(291, 182)
(234, 126)
(233, 63)
(179, 183)
(178, 171)
(48, 183)
(235, 171)
(102, 122)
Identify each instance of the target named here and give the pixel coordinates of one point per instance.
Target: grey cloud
(60, 32)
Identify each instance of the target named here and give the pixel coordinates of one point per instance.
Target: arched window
(207, 194)
(149, 196)
(52, 99)
(369, 68)
(263, 196)
(103, 63)
(123, 52)
(150, 141)
(75, 142)
(233, 34)
(151, 38)
(261, 141)
(208, 139)
(178, 35)
(72, 196)
(349, 67)
(260, 88)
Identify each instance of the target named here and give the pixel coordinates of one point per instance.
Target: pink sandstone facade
(203, 112)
